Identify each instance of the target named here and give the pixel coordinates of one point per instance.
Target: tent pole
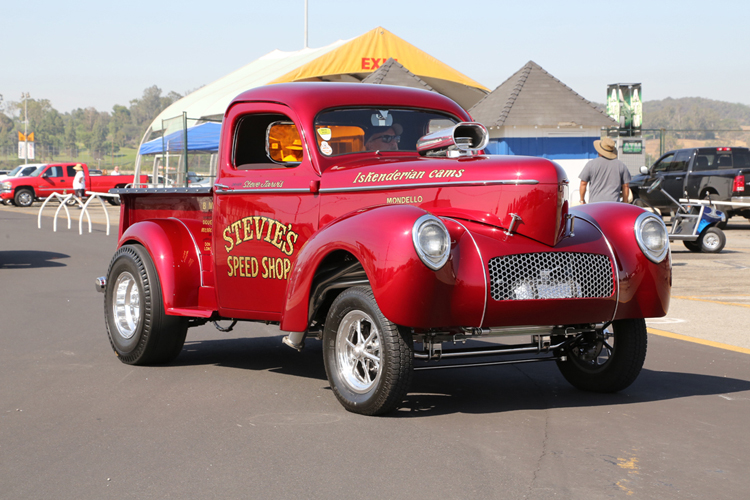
(185, 146)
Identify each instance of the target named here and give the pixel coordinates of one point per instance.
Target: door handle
(678, 178)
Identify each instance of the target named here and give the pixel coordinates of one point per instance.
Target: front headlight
(651, 235)
(7, 186)
(432, 241)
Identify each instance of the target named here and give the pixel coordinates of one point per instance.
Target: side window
(703, 162)
(55, 172)
(663, 164)
(71, 172)
(741, 160)
(680, 161)
(724, 161)
(266, 140)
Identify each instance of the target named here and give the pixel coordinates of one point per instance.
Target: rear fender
(380, 238)
(644, 287)
(175, 256)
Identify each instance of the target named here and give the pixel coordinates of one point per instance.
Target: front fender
(407, 292)
(644, 287)
(175, 256)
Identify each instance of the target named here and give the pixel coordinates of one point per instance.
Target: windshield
(344, 131)
(38, 171)
(13, 172)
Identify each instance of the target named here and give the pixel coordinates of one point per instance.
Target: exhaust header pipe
(462, 139)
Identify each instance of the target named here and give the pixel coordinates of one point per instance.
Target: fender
(407, 292)
(176, 259)
(645, 287)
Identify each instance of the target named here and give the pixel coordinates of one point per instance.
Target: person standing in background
(607, 176)
(79, 185)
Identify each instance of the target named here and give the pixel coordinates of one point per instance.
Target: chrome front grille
(550, 275)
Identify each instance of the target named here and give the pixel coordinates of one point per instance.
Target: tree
(148, 107)
(117, 125)
(70, 138)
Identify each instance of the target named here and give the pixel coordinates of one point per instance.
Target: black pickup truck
(718, 174)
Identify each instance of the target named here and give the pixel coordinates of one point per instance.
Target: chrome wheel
(358, 353)
(126, 306)
(24, 198)
(711, 242)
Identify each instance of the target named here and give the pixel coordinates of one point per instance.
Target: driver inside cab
(383, 138)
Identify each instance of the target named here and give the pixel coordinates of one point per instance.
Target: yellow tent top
(361, 56)
(344, 60)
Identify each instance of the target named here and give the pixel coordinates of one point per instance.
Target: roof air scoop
(462, 139)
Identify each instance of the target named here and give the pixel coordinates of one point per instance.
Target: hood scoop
(462, 139)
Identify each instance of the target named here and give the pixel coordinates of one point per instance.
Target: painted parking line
(695, 340)
(699, 299)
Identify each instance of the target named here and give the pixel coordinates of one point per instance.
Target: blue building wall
(554, 148)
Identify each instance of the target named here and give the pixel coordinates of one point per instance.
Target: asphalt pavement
(240, 415)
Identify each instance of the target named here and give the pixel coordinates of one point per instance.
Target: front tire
(368, 359)
(609, 362)
(139, 331)
(24, 198)
(712, 240)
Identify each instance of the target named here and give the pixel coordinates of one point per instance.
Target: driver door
(264, 210)
(55, 179)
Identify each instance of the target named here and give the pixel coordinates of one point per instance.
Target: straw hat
(606, 147)
(78, 167)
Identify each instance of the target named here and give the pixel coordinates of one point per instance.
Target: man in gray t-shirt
(607, 176)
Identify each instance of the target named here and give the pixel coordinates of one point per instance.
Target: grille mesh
(550, 275)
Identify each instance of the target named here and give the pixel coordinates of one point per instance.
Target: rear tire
(610, 362)
(139, 331)
(368, 359)
(693, 246)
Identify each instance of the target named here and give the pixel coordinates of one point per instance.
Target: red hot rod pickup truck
(368, 217)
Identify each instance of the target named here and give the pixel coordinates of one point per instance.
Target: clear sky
(84, 53)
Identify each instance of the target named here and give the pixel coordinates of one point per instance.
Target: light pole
(25, 97)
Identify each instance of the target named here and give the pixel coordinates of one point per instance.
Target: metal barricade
(94, 195)
(63, 199)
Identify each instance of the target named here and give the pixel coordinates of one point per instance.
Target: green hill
(695, 113)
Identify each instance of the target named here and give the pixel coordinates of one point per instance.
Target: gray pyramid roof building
(531, 97)
(392, 72)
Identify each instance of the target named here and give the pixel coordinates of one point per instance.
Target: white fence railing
(64, 199)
